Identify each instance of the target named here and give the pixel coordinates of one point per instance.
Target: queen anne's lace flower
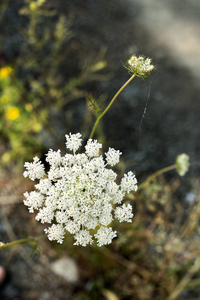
(140, 66)
(79, 194)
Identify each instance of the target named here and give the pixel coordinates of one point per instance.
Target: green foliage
(38, 86)
(94, 103)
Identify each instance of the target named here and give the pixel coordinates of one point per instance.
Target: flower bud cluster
(140, 66)
(79, 193)
(182, 164)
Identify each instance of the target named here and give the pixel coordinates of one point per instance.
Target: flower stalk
(137, 66)
(182, 166)
(21, 241)
(154, 175)
(109, 105)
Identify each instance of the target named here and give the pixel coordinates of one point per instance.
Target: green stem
(27, 240)
(109, 105)
(154, 175)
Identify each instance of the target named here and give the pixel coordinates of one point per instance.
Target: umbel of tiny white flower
(79, 193)
(182, 164)
(140, 66)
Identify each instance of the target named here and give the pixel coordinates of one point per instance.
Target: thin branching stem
(21, 241)
(154, 175)
(109, 105)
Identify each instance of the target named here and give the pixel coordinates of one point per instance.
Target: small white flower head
(112, 156)
(72, 227)
(92, 148)
(105, 235)
(35, 170)
(83, 238)
(43, 186)
(129, 182)
(74, 141)
(45, 215)
(79, 193)
(34, 200)
(124, 213)
(55, 233)
(140, 66)
(182, 164)
(53, 158)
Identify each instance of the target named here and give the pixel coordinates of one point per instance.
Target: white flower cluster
(79, 194)
(182, 164)
(140, 66)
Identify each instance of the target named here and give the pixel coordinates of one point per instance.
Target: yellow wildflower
(12, 113)
(4, 99)
(5, 72)
(33, 6)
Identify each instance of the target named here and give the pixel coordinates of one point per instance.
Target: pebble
(67, 268)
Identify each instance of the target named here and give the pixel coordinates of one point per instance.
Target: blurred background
(59, 59)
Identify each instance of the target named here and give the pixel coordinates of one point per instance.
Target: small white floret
(45, 215)
(55, 233)
(35, 170)
(92, 148)
(74, 141)
(129, 182)
(105, 235)
(54, 158)
(72, 227)
(124, 213)
(34, 200)
(83, 238)
(112, 156)
(44, 185)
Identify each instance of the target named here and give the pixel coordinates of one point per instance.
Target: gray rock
(67, 268)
